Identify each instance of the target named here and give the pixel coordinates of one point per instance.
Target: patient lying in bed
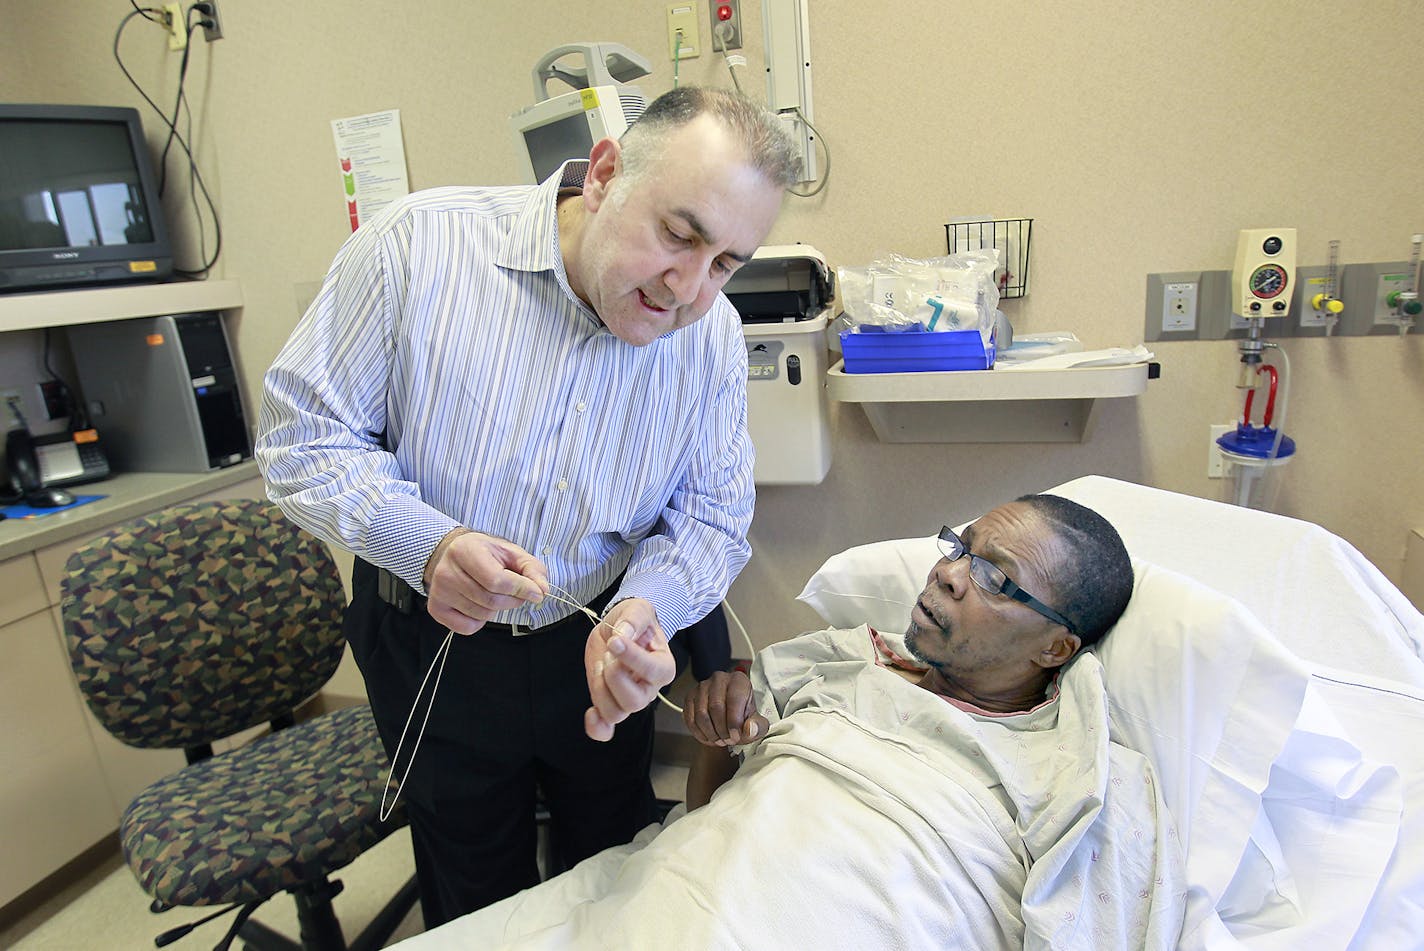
(981, 806)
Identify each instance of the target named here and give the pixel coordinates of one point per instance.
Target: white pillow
(874, 584)
(1197, 685)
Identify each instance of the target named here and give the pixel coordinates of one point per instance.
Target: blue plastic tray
(875, 351)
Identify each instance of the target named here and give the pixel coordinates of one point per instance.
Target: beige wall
(1140, 137)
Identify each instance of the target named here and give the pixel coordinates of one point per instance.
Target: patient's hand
(719, 711)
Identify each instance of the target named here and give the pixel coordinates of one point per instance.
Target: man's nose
(953, 575)
(685, 282)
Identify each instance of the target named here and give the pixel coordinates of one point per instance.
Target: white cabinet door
(54, 803)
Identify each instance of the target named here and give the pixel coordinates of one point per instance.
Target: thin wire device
(437, 667)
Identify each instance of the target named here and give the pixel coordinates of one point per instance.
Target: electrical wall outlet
(682, 29)
(1216, 465)
(177, 26)
(1173, 304)
(53, 398)
(1179, 306)
(11, 402)
(212, 25)
(726, 17)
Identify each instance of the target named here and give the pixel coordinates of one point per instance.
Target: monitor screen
(66, 184)
(554, 144)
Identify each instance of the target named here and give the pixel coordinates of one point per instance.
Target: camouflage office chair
(187, 626)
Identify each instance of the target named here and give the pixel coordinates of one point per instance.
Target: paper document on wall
(1111, 357)
(371, 154)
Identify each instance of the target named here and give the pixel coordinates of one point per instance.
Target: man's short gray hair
(768, 144)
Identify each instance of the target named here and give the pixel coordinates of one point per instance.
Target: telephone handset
(24, 466)
(20, 457)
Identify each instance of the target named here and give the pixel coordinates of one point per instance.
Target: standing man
(505, 400)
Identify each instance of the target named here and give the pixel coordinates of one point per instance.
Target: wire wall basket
(1009, 235)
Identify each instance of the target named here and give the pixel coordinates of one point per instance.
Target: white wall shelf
(988, 406)
(64, 308)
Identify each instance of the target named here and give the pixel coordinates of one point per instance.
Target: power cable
(826, 148)
(195, 176)
(719, 43)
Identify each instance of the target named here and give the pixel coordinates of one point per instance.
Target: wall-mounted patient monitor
(600, 105)
(1264, 276)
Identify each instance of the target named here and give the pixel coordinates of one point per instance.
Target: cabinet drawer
(24, 594)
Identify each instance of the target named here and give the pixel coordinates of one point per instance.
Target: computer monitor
(78, 202)
(565, 127)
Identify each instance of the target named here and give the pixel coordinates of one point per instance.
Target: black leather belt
(405, 599)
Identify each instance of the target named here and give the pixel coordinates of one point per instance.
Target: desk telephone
(40, 465)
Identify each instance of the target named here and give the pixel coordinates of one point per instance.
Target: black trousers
(506, 725)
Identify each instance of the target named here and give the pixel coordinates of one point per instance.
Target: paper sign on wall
(371, 154)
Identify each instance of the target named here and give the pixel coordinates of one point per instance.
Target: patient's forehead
(1021, 542)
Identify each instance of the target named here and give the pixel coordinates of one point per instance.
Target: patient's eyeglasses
(991, 579)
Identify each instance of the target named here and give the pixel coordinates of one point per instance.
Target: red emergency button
(724, 11)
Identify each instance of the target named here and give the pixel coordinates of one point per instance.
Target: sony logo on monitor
(64, 255)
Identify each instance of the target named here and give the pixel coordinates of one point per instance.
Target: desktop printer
(783, 296)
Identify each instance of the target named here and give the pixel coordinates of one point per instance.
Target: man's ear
(605, 163)
(1061, 649)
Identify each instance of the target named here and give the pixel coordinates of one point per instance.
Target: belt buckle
(516, 631)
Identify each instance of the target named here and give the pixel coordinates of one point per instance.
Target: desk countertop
(127, 495)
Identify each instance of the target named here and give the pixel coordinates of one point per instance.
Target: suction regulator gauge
(1268, 281)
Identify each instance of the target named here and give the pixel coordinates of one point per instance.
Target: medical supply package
(906, 314)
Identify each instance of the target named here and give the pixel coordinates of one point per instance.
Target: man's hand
(627, 659)
(473, 576)
(719, 711)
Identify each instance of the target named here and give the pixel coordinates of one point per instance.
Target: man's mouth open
(930, 615)
(647, 302)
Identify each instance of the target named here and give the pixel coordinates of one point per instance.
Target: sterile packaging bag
(954, 292)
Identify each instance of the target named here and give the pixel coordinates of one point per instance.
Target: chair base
(320, 929)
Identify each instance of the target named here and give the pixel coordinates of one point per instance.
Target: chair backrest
(201, 620)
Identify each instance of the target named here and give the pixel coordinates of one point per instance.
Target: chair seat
(263, 818)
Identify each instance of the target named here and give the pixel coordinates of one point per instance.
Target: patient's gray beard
(911, 636)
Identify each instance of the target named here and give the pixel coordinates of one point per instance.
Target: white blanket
(874, 814)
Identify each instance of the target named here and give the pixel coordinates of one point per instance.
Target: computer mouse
(48, 498)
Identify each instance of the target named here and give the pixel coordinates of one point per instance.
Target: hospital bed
(1270, 674)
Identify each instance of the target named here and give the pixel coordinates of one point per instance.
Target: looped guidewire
(437, 667)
